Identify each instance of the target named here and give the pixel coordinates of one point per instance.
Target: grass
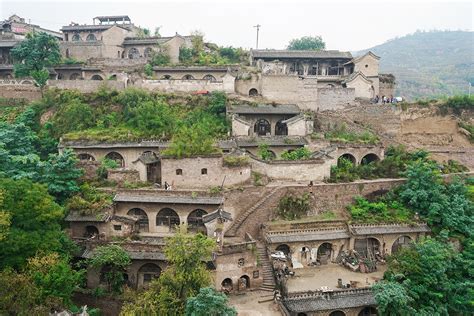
(342, 135)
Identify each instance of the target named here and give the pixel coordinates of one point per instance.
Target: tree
(54, 277)
(307, 43)
(35, 222)
(113, 259)
(209, 302)
(61, 174)
(5, 219)
(392, 299)
(34, 55)
(264, 152)
(182, 279)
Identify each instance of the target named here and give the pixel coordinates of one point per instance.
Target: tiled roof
(77, 217)
(270, 141)
(219, 213)
(306, 235)
(265, 109)
(388, 229)
(277, 54)
(329, 301)
(127, 197)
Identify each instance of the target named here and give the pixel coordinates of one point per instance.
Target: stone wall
(20, 91)
(201, 172)
(334, 98)
(247, 82)
(302, 170)
(86, 86)
(226, 85)
(123, 175)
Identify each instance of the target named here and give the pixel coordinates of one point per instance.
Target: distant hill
(429, 64)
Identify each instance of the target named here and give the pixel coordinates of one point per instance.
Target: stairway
(267, 269)
(232, 230)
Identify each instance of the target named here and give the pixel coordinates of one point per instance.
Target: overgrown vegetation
(342, 135)
(293, 206)
(301, 153)
(397, 160)
(382, 211)
(89, 201)
(307, 43)
(236, 161)
(265, 153)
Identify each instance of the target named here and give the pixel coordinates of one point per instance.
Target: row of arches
(369, 158)
(263, 127)
(145, 274)
(208, 77)
(169, 218)
(89, 38)
(227, 285)
(78, 76)
(115, 156)
(366, 311)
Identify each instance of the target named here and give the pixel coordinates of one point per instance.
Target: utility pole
(258, 29)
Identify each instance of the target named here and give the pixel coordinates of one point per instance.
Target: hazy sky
(343, 25)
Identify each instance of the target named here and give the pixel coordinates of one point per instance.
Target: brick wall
(29, 92)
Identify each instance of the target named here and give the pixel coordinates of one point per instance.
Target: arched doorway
(195, 223)
(324, 253)
(75, 76)
(188, 77)
(227, 285)
(305, 255)
(244, 283)
(367, 247)
(253, 92)
(85, 157)
(401, 242)
(91, 232)
(210, 78)
(369, 158)
(368, 311)
(337, 313)
(284, 248)
(142, 222)
(96, 77)
(133, 53)
(115, 156)
(147, 273)
(347, 157)
(281, 128)
(167, 217)
(262, 127)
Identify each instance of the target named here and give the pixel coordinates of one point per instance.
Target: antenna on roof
(258, 29)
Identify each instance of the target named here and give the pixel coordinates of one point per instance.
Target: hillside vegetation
(428, 64)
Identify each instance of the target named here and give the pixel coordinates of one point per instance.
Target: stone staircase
(232, 230)
(267, 269)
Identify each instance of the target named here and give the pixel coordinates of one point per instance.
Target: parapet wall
(178, 85)
(86, 86)
(14, 89)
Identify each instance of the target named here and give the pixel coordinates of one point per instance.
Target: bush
(459, 103)
(105, 165)
(293, 206)
(148, 70)
(236, 161)
(301, 153)
(341, 134)
(364, 211)
(265, 153)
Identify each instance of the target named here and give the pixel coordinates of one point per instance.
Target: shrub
(301, 153)
(148, 70)
(364, 211)
(105, 165)
(236, 161)
(341, 134)
(265, 153)
(292, 206)
(459, 103)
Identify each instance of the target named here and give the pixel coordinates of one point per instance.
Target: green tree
(301, 153)
(54, 277)
(265, 153)
(75, 115)
(392, 299)
(61, 175)
(35, 222)
(114, 259)
(182, 279)
(34, 55)
(307, 43)
(5, 219)
(293, 206)
(189, 142)
(209, 302)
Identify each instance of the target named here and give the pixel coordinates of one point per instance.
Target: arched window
(227, 285)
(166, 77)
(91, 38)
(75, 76)
(281, 128)
(76, 38)
(96, 77)
(369, 158)
(210, 78)
(401, 242)
(86, 157)
(188, 77)
(283, 248)
(348, 157)
(167, 217)
(179, 172)
(253, 92)
(195, 223)
(262, 127)
(133, 53)
(142, 222)
(148, 272)
(204, 171)
(91, 232)
(117, 158)
(147, 52)
(60, 76)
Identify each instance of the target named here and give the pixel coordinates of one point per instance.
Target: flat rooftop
(313, 278)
